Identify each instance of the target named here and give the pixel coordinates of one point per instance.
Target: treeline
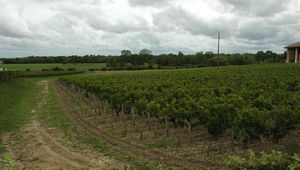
(56, 59)
(199, 59)
(27, 74)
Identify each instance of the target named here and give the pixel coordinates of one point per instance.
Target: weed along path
(49, 140)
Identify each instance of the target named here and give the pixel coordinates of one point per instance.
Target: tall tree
(126, 53)
(145, 52)
(259, 56)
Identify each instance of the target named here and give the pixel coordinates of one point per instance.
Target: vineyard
(235, 117)
(252, 102)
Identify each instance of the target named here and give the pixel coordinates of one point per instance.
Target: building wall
(297, 55)
(291, 55)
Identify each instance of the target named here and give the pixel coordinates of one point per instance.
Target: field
(39, 67)
(160, 119)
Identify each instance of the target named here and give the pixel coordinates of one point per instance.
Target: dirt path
(37, 146)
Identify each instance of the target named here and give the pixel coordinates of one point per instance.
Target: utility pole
(218, 48)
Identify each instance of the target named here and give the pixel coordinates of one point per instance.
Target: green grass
(39, 67)
(17, 99)
(156, 145)
(2, 148)
(55, 115)
(7, 162)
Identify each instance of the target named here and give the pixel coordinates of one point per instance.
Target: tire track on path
(37, 146)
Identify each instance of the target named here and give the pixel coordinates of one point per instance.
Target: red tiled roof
(297, 44)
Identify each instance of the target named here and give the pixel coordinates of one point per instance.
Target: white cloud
(256, 7)
(62, 27)
(11, 23)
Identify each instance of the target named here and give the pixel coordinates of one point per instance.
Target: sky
(105, 27)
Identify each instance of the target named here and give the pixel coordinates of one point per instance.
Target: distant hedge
(25, 74)
(7, 75)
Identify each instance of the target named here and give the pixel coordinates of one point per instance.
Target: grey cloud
(100, 21)
(256, 7)
(138, 41)
(61, 23)
(177, 18)
(62, 1)
(257, 30)
(7, 30)
(286, 18)
(120, 26)
(12, 24)
(157, 3)
(21, 44)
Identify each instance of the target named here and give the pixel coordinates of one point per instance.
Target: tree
(271, 56)
(126, 53)
(145, 52)
(180, 54)
(125, 57)
(259, 56)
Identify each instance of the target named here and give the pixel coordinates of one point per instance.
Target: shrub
(271, 161)
(71, 69)
(27, 69)
(284, 121)
(150, 66)
(7, 75)
(215, 60)
(250, 124)
(57, 69)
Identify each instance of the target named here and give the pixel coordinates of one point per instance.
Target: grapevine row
(250, 101)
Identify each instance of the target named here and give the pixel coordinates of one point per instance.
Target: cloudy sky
(79, 27)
